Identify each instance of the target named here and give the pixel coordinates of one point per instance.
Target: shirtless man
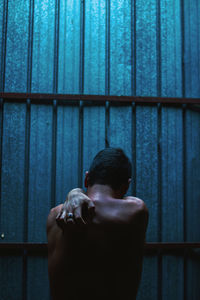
(96, 239)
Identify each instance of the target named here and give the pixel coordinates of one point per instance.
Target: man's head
(110, 167)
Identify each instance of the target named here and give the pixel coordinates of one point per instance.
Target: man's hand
(77, 209)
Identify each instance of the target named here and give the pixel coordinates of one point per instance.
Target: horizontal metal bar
(150, 246)
(99, 98)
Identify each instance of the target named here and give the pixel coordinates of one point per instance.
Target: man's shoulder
(137, 210)
(136, 203)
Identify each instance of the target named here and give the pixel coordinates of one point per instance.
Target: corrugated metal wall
(141, 47)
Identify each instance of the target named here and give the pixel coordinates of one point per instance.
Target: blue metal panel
(146, 48)
(172, 175)
(1, 39)
(149, 284)
(120, 131)
(120, 47)
(171, 48)
(172, 199)
(145, 55)
(94, 60)
(40, 171)
(43, 46)
(69, 47)
(37, 279)
(172, 147)
(99, 53)
(192, 48)
(10, 277)
(192, 136)
(147, 189)
(147, 165)
(12, 198)
(40, 197)
(17, 46)
(12, 180)
(93, 134)
(67, 168)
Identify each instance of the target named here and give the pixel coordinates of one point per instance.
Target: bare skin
(102, 259)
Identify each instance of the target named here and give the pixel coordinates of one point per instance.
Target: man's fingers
(78, 216)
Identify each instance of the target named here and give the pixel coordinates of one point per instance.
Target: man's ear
(86, 179)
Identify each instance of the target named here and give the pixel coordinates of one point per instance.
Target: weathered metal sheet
(37, 279)
(94, 47)
(1, 39)
(67, 151)
(172, 144)
(39, 201)
(192, 175)
(147, 48)
(172, 199)
(93, 134)
(149, 283)
(11, 277)
(171, 48)
(172, 175)
(12, 197)
(17, 46)
(69, 47)
(147, 165)
(120, 130)
(12, 177)
(40, 197)
(43, 46)
(192, 48)
(145, 56)
(120, 47)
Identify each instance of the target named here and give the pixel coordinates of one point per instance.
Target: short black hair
(110, 167)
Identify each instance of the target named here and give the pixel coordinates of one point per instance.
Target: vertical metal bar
(1, 145)
(24, 275)
(56, 46)
(107, 125)
(53, 157)
(4, 39)
(80, 152)
(158, 48)
(107, 74)
(82, 50)
(26, 170)
(159, 151)
(30, 45)
(133, 47)
(27, 146)
(159, 124)
(2, 83)
(55, 90)
(81, 91)
(183, 46)
(26, 195)
(133, 92)
(184, 107)
(133, 128)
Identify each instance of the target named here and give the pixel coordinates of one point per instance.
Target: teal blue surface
(126, 47)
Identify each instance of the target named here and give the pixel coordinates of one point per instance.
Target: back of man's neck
(99, 191)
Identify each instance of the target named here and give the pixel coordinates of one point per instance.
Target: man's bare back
(102, 260)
